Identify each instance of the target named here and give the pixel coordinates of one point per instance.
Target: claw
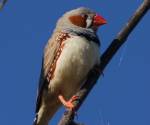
(74, 98)
(68, 104)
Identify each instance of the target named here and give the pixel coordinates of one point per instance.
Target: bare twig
(93, 76)
(2, 3)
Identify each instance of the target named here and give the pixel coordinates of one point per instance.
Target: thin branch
(94, 75)
(2, 3)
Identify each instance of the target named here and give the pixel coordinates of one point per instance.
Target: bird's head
(81, 18)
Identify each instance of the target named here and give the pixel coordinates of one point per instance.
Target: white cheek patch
(88, 22)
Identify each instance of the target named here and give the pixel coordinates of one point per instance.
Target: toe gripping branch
(68, 104)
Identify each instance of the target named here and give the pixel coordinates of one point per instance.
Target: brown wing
(48, 57)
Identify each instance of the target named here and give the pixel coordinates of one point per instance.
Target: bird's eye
(84, 16)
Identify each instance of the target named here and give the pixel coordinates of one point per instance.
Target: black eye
(84, 16)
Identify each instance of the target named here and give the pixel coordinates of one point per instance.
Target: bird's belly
(77, 58)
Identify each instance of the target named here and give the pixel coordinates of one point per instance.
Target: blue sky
(121, 97)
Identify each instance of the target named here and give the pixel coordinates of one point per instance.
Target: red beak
(99, 20)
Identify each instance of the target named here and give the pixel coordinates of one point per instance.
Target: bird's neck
(83, 32)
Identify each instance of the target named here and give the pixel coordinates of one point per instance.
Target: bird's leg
(68, 104)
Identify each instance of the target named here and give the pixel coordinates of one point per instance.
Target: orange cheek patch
(78, 20)
(60, 38)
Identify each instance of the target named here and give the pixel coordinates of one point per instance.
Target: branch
(2, 3)
(94, 75)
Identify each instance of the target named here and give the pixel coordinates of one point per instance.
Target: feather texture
(71, 52)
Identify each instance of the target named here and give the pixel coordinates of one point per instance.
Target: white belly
(77, 58)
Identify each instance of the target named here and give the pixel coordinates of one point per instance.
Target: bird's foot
(68, 104)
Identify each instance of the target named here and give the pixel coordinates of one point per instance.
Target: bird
(69, 55)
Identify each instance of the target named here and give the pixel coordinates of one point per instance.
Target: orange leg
(68, 104)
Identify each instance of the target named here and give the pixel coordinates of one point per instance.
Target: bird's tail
(40, 121)
(35, 119)
(45, 114)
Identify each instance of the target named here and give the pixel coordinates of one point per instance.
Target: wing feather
(48, 57)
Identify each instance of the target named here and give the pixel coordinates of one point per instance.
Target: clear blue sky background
(121, 97)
